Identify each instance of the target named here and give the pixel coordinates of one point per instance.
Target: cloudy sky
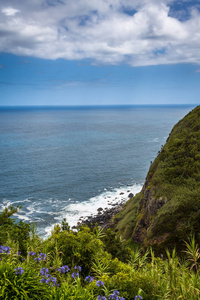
(99, 52)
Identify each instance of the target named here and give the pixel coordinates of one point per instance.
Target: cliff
(167, 209)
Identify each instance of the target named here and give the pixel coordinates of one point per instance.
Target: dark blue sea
(61, 162)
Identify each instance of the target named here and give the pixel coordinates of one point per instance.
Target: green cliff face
(167, 209)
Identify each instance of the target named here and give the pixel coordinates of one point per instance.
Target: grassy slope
(175, 176)
(126, 218)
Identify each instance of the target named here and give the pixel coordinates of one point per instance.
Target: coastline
(103, 218)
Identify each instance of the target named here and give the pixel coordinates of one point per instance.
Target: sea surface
(66, 162)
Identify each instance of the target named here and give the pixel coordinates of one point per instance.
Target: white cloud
(101, 30)
(10, 11)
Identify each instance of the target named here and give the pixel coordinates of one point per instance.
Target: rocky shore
(104, 216)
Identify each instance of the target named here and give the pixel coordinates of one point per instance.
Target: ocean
(66, 162)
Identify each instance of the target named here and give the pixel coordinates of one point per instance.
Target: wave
(79, 211)
(49, 212)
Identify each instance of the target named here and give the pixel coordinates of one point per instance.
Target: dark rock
(131, 195)
(104, 217)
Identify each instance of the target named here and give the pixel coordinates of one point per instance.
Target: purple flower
(32, 253)
(5, 249)
(99, 283)
(48, 280)
(44, 272)
(116, 293)
(74, 275)
(53, 280)
(63, 269)
(43, 256)
(67, 269)
(19, 271)
(114, 296)
(77, 268)
(100, 297)
(37, 259)
(138, 297)
(89, 279)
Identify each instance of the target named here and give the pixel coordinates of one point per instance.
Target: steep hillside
(167, 209)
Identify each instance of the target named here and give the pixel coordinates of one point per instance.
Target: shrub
(129, 285)
(76, 248)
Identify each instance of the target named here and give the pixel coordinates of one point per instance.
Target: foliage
(16, 285)
(44, 274)
(17, 232)
(193, 254)
(115, 246)
(175, 177)
(76, 248)
(126, 219)
(71, 291)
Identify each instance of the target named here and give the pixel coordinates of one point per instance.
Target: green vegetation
(168, 208)
(127, 217)
(94, 264)
(76, 265)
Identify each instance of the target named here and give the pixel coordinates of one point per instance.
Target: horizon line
(96, 105)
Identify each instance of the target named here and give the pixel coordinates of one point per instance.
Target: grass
(126, 218)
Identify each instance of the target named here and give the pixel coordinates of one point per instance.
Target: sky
(99, 52)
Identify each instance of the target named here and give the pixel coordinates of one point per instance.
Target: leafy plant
(192, 252)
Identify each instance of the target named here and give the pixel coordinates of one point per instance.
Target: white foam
(22, 217)
(73, 212)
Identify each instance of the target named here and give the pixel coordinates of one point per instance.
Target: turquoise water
(67, 162)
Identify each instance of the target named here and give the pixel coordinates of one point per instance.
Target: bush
(76, 248)
(129, 285)
(115, 246)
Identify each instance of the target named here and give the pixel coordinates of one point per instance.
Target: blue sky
(100, 52)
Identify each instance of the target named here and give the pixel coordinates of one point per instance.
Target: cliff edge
(167, 209)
